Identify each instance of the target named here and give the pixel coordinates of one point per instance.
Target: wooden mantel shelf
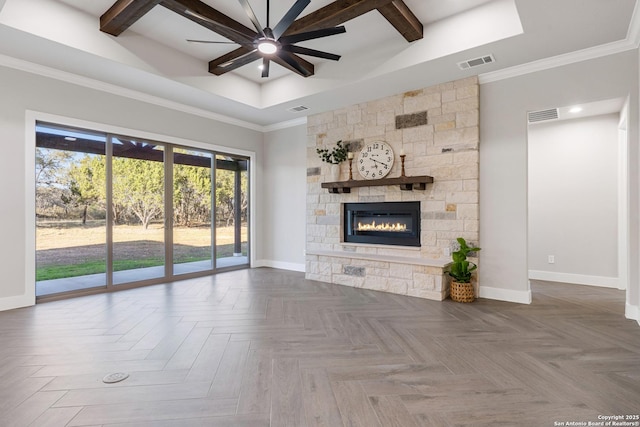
(405, 182)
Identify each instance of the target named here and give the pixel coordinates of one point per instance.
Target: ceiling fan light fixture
(268, 47)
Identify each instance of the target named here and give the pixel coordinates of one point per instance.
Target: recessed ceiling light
(575, 109)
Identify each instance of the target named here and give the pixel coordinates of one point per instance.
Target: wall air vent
(470, 63)
(542, 115)
(297, 109)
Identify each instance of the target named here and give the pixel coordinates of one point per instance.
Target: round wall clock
(375, 160)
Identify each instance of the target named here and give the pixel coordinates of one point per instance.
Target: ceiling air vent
(542, 115)
(470, 63)
(297, 109)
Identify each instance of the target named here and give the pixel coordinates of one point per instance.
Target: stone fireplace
(382, 223)
(438, 130)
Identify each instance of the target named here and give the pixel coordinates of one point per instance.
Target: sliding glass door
(137, 210)
(71, 225)
(232, 197)
(192, 201)
(115, 211)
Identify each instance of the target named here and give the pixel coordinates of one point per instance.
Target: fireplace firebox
(386, 223)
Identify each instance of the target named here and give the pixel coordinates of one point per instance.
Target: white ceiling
(152, 57)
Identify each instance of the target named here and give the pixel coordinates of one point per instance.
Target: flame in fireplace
(381, 227)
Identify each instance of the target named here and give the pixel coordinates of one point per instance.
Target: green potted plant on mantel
(461, 271)
(334, 157)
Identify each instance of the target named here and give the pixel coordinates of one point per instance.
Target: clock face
(375, 160)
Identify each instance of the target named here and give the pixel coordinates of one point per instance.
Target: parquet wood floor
(266, 347)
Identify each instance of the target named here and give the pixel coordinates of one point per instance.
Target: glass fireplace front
(387, 223)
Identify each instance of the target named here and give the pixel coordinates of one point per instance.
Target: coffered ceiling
(154, 58)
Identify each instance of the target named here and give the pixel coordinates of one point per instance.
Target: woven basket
(462, 292)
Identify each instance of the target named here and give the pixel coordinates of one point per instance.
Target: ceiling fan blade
(265, 67)
(310, 35)
(289, 17)
(294, 63)
(216, 42)
(310, 52)
(252, 16)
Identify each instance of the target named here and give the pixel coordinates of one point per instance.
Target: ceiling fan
(270, 44)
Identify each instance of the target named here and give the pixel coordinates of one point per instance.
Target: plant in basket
(461, 271)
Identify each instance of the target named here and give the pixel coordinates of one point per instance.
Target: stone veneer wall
(438, 128)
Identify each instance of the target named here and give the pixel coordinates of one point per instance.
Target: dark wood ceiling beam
(403, 20)
(336, 13)
(216, 66)
(215, 20)
(123, 13)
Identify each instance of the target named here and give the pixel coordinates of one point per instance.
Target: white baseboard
(280, 264)
(577, 279)
(18, 301)
(521, 297)
(632, 312)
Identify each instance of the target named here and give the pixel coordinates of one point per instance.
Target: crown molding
(90, 83)
(558, 61)
(634, 27)
(632, 41)
(286, 124)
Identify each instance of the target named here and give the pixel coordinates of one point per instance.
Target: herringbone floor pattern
(265, 347)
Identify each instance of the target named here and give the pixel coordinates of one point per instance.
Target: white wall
(285, 184)
(503, 161)
(632, 309)
(23, 91)
(573, 200)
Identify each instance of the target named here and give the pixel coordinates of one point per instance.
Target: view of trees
(72, 186)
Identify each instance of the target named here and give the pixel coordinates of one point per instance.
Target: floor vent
(115, 377)
(543, 115)
(297, 109)
(475, 62)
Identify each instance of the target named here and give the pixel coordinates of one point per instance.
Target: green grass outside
(95, 267)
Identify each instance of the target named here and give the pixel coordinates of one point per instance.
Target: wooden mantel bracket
(406, 183)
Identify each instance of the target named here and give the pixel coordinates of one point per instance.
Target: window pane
(138, 210)
(192, 249)
(70, 210)
(232, 198)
